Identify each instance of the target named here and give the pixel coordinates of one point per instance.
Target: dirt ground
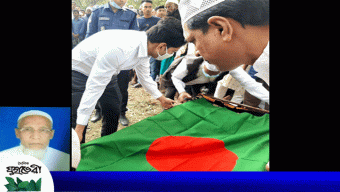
(142, 105)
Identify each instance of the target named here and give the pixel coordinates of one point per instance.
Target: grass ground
(140, 104)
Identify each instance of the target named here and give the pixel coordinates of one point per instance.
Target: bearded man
(35, 132)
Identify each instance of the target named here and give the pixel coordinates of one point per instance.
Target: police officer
(113, 16)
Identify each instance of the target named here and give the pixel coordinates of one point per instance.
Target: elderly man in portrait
(34, 129)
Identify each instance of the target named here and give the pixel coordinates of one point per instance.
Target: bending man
(100, 58)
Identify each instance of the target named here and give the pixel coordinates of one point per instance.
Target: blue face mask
(209, 76)
(115, 5)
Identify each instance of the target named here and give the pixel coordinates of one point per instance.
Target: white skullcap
(210, 67)
(189, 8)
(88, 8)
(34, 113)
(171, 1)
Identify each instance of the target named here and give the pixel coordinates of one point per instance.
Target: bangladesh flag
(194, 136)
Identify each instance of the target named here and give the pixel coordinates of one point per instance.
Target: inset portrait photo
(42, 132)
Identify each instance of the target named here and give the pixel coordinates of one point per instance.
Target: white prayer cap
(34, 113)
(171, 1)
(88, 8)
(189, 8)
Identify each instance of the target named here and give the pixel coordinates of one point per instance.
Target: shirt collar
(143, 46)
(107, 6)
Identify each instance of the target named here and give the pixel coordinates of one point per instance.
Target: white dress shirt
(54, 159)
(261, 65)
(239, 74)
(105, 54)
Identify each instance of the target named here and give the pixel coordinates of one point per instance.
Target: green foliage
(23, 185)
(136, 3)
(85, 3)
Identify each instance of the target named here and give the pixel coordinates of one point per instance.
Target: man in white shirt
(229, 33)
(206, 73)
(35, 132)
(100, 58)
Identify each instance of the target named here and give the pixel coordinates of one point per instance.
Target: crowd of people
(165, 47)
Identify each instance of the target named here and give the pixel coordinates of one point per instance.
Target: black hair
(75, 11)
(246, 12)
(146, 1)
(168, 30)
(159, 7)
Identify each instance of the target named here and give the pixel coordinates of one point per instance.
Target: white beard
(39, 154)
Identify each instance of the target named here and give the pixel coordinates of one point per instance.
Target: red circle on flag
(185, 153)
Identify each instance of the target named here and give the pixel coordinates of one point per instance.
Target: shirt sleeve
(254, 88)
(82, 31)
(92, 25)
(104, 67)
(180, 72)
(143, 74)
(134, 24)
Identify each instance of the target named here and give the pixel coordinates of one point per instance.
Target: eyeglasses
(29, 130)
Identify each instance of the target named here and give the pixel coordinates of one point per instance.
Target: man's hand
(166, 102)
(79, 130)
(267, 166)
(183, 96)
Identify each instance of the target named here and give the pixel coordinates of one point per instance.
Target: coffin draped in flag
(194, 136)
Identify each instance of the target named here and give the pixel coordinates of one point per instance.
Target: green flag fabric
(194, 136)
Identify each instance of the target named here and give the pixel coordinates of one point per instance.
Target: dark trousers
(155, 67)
(123, 83)
(110, 103)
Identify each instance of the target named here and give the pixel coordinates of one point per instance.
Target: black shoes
(123, 120)
(97, 116)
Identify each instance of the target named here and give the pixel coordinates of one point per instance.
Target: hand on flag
(166, 102)
(79, 130)
(183, 96)
(267, 166)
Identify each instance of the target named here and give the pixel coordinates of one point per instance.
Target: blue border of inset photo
(61, 125)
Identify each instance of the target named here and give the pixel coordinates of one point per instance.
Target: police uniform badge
(102, 28)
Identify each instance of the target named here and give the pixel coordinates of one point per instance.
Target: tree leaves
(23, 185)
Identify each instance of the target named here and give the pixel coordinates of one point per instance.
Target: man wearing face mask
(100, 58)
(188, 75)
(113, 16)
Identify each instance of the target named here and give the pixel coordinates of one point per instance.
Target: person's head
(165, 37)
(74, 5)
(147, 8)
(75, 13)
(34, 129)
(82, 12)
(120, 3)
(226, 33)
(160, 11)
(171, 6)
(88, 11)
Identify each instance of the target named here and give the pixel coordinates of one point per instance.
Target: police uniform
(103, 18)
